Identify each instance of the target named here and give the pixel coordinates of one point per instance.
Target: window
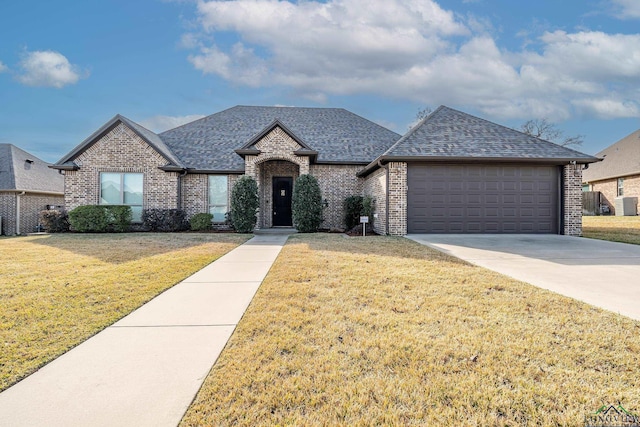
(122, 189)
(620, 187)
(218, 197)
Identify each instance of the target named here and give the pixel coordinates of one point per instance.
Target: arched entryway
(275, 180)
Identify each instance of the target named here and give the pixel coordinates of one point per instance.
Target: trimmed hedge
(201, 222)
(306, 204)
(55, 221)
(166, 220)
(100, 219)
(244, 204)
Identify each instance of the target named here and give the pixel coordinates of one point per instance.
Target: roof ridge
(414, 128)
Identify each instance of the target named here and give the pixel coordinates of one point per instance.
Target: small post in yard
(364, 220)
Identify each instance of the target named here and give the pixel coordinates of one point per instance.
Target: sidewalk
(145, 369)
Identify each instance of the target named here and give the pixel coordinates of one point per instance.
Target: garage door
(482, 199)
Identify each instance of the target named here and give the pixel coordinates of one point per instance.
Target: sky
(67, 67)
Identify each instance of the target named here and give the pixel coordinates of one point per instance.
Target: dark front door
(282, 187)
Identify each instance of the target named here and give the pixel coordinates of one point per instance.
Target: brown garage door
(482, 199)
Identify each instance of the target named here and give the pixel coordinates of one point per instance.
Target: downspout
(18, 211)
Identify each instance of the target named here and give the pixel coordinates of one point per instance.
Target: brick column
(572, 200)
(397, 198)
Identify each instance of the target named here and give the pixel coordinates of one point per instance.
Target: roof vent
(29, 161)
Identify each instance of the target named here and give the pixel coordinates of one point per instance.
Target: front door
(282, 187)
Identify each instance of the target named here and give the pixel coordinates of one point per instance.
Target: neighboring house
(27, 186)
(618, 174)
(452, 172)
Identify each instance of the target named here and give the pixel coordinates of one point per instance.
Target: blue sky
(67, 67)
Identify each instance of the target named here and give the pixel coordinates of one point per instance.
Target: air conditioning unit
(626, 206)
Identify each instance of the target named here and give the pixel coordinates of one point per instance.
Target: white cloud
(47, 68)
(162, 123)
(626, 9)
(3, 67)
(415, 50)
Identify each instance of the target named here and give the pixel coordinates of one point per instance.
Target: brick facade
(30, 206)
(121, 150)
(572, 200)
(609, 190)
(337, 182)
(375, 185)
(8, 213)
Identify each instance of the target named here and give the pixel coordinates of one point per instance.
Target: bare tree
(423, 113)
(544, 129)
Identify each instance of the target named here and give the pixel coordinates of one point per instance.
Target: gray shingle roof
(620, 159)
(448, 133)
(22, 171)
(335, 133)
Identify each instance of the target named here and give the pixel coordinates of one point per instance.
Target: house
(618, 174)
(450, 173)
(27, 186)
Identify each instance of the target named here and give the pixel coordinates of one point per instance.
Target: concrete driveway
(598, 272)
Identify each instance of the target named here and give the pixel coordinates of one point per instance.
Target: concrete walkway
(146, 369)
(598, 272)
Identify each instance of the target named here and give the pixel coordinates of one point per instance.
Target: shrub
(89, 219)
(201, 222)
(244, 204)
(100, 219)
(167, 220)
(119, 218)
(357, 206)
(306, 204)
(55, 221)
(367, 208)
(352, 208)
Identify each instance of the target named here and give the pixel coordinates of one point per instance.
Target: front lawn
(58, 290)
(625, 229)
(384, 331)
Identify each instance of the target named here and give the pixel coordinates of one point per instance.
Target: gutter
(46, 193)
(469, 159)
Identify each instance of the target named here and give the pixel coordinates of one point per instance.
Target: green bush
(306, 204)
(367, 208)
(167, 220)
(352, 209)
(119, 218)
(55, 221)
(100, 219)
(244, 204)
(357, 206)
(201, 222)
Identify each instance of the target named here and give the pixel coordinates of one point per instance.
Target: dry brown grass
(56, 291)
(625, 229)
(384, 331)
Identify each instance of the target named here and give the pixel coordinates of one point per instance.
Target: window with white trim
(118, 188)
(620, 187)
(218, 196)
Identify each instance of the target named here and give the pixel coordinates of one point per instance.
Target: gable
(620, 159)
(171, 162)
(120, 147)
(277, 141)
